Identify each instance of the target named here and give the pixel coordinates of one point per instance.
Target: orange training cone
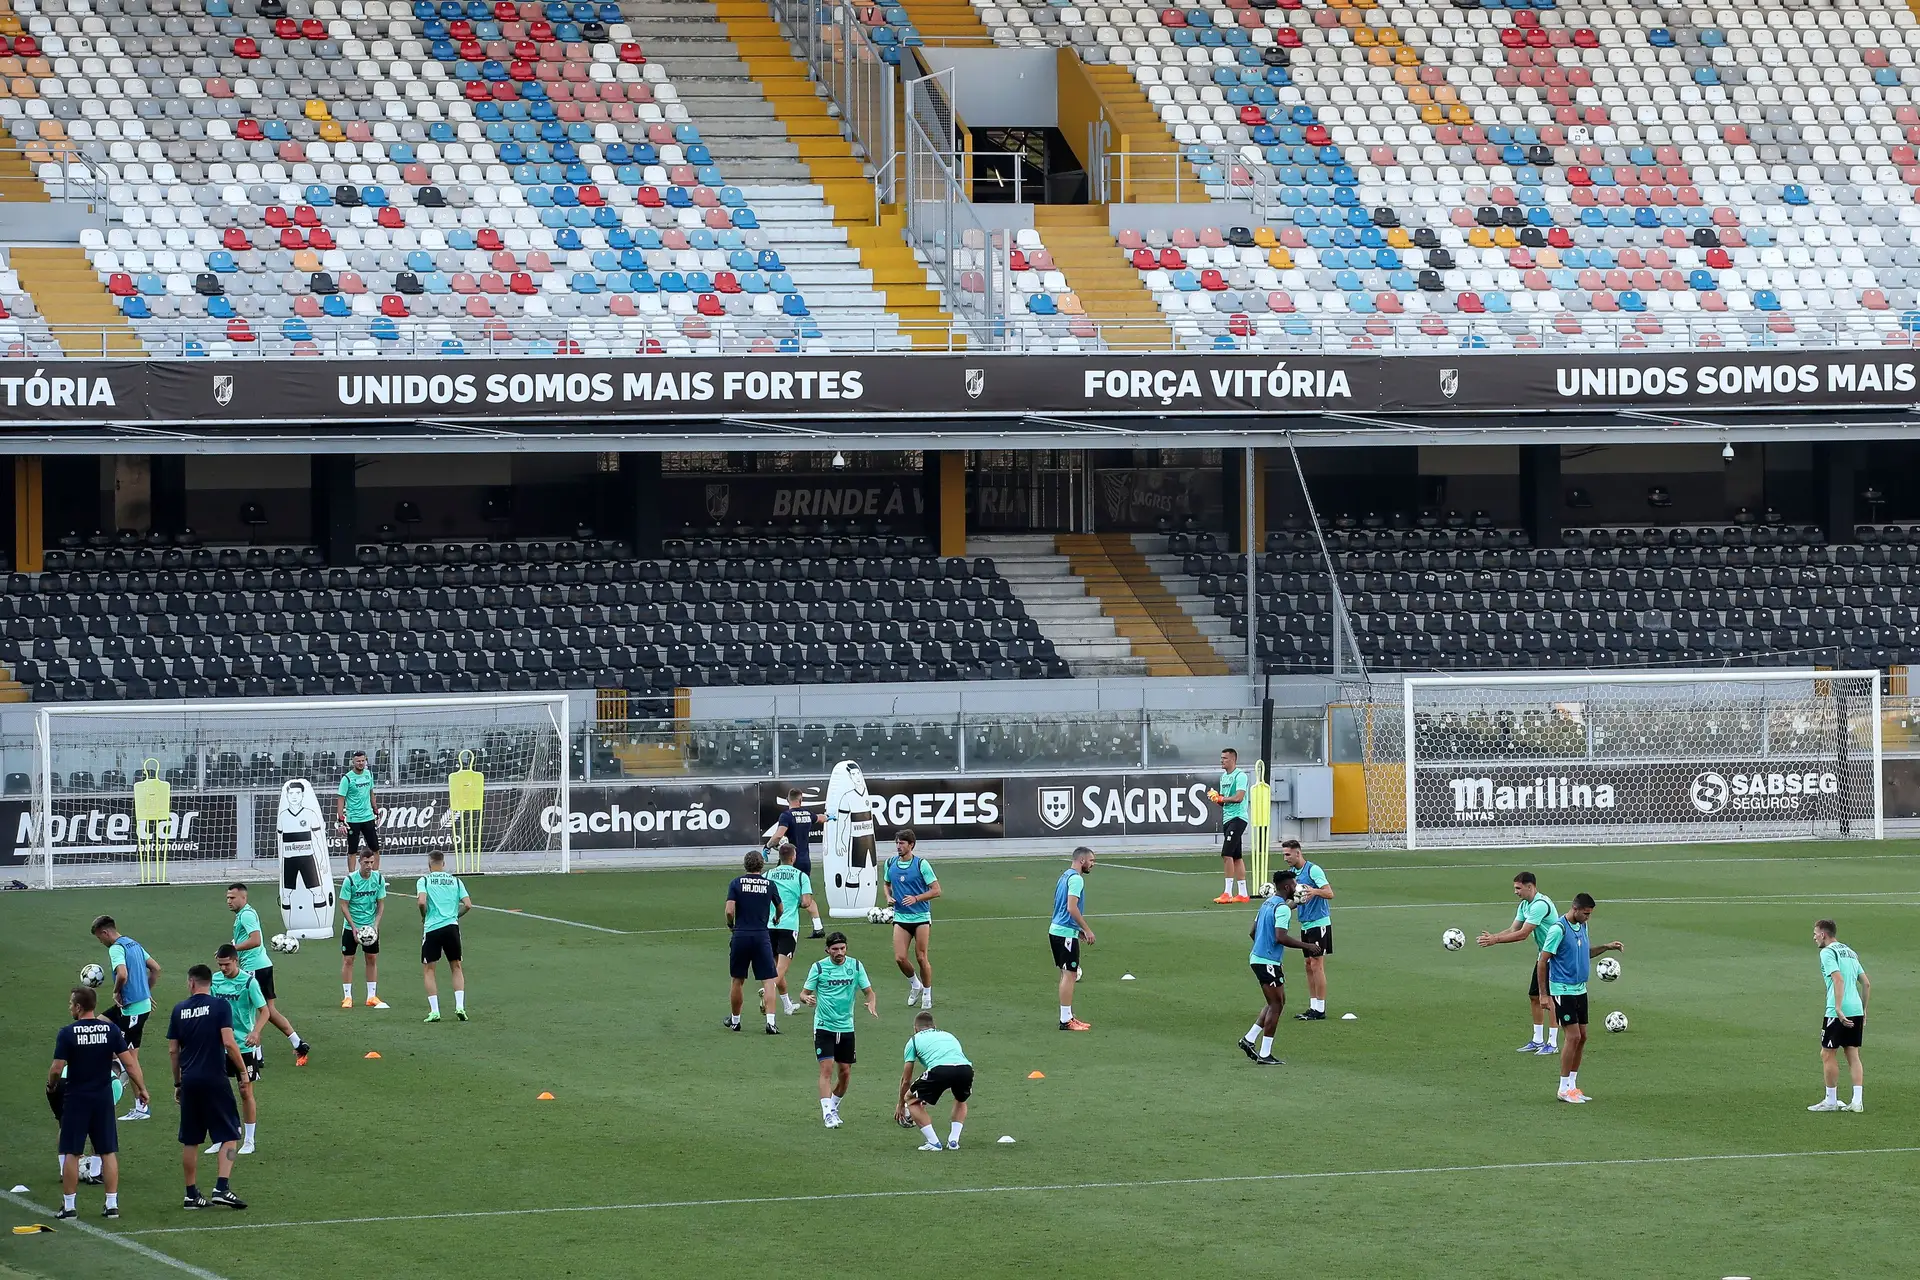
(373, 1055)
(1036, 1075)
(545, 1097)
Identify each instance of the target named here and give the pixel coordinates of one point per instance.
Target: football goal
(130, 793)
(1622, 758)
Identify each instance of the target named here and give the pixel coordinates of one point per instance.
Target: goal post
(170, 792)
(1625, 758)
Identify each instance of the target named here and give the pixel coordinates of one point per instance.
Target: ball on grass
(1453, 939)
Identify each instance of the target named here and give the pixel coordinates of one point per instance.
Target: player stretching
(1070, 931)
(1530, 920)
(249, 942)
(1231, 795)
(134, 973)
(751, 902)
(793, 889)
(1845, 1026)
(442, 900)
(356, 811)
(945, 1067)
(1565, 960)
(1270, 943)
(830, 987)
(364, 894)
(84, 1053)
(911, 885)
(796, 823)
(1316, 925)
(199, 1040)
(244, 1002)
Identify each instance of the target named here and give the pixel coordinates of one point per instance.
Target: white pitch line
(1127, 866)
(1014, 1189)
(528, 915)
(118, 1239)
(1522, 862)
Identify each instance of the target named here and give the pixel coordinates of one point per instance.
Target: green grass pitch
(1410, 1142)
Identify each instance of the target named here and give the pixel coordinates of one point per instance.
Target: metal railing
(983, 325)
(841, 56)
(968, 258)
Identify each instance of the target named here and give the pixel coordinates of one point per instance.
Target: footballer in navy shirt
(80, 1084)
(752, 904)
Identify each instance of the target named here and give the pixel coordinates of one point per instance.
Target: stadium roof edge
(1175, 431)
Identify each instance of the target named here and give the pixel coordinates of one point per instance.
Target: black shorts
(837, 1045)
(803, 860)
(350, 944)
(1833, 1035)
(1533, 983)
(783, 941)
(913, 927)
(208, 1112)
(88, 1119)
(1066, 951)
(444, 941)
(957, 1077)
(1231, 832)
(367, 831)
(1321, 934)
(256, 1060)
(1269, 975)
(751, 951)
(1571, 1011)
(264, 976)
(132, 1025)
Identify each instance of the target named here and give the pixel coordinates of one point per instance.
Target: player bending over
(442, 900)
(252, 946)
(1231, 795)
(751, 903)
(944, 1067)
(911, 885)
(244, 1002)
(134, 973)
(1070, 931)
(1270, 943)
(1844, 1028)
(793, 889)
(364, 894)
(1565, 960)
(796, 824)
(830, 988)
(1530, 920)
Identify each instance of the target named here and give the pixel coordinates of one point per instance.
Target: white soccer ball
(92, 974)
(1266, 890)
(886, 915)
(1453, 939)
(285, 942)
(366, 935)
(1607, 967)
(873, 915)
(1616, 1021)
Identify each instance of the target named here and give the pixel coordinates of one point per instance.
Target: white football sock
(248, 1140)
(1563, 1084)
(67, 1201)
(817, 924)
(770, 1021)
(787, 1006)
(1833, 1094)
(1253, 1033)
(1553, 1037)
(1539, 1033)
(1318, 1006)
(346, 991)
(1241, 889)
(926, 1131)
(460, 999)
(953, 1134)
(926, 993)
(1066, 1013)
(1573, 1079)
(373, 991)
(1229, 889)
(293, 1037)
(113, 1199)
(826, 1107)
(1266, 1046)
(1857, 1091)
(433, 1004)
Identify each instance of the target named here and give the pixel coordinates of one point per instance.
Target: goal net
(1622, 759)
(194, 792)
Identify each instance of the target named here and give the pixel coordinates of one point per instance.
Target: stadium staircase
(1106, 283)
(18, 185)
(763, 155)
(844, 180)
(1142, 609)
(1194, 603)
(954, 22)
(12, 690)
(71, 298)
(1137, 128)
(1057, 598)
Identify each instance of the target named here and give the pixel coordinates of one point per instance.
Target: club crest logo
(223, 389)
(1449, 382)
(719, 499)
(976, 383)
(1056, 806)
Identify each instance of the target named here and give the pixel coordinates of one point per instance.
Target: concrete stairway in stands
(1108, 286)
(71, 297)
(1185, 589)
(1137, 129)
(1142, 609)
(949, 22)
(1058, 599)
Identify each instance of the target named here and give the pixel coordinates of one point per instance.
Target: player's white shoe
(1828, 1104)
(931, 1146)
(913, 994)
(833, 1120)
(1531, 1046)
(1572, 1095)
(953, 1144)
(246, 1149)
(212, 1150)
(926, 998)
(1858, 1108)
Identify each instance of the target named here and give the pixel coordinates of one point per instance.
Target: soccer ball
(906, 1121)
(284, 942)
(873, 915)
(886, 915)
(1453, 939)
(366, 935)
(1608, 968)
(1616, 1021)
(92, 974)
(1266, 890)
